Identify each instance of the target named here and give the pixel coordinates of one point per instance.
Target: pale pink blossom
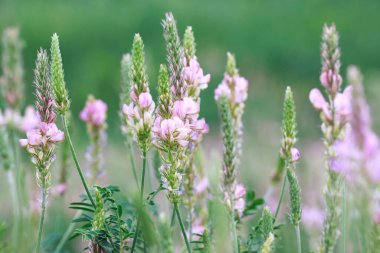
(317, 100)
(222, 91)
(173, 131)
(34, 137)
(295, 154)
(186, 108)
(241, 89)
(194, 78)
(30, 120)
(198, 227)
(145, 100)
(95, 112)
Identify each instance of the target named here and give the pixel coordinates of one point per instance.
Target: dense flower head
(170, 133)
(194, 78)
(139, 112)
(330, 77)
(11, 82)
(94, 112)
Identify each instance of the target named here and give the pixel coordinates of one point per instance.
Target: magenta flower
(94, 112)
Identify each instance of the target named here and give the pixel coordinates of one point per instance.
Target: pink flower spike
(317, 100)
(222, 91)
(240, 191)
(128, 110)
(295, 154)
(95, 112)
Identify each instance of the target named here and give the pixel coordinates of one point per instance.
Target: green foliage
(138, 72)
(107, 226)
(203, 243)
(57, 77)
(252, 203)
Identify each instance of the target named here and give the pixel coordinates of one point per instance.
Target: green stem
(344, 217)
(133, 162)
(172, 221)
(280, 200)
(298, 235)
(141, 197)
(43, 209)
(76, 161)
(67, 233)
(182, 228)
(234, 234)
(15, 205)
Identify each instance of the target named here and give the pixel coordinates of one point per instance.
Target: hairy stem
(64, 120)
(182, 228)
(280, 199)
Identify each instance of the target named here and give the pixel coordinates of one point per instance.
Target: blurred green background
(276, 44)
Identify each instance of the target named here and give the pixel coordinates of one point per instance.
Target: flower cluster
(94, 114)
(41, 141)
(177, 127)
(139, 112)
(235, 89)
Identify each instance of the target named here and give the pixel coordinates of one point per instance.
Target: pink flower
(186, 108)
(241, 89)
(193, 76)
(145, 100)
(222, 91)
(52, 133)
(59, 189)
(171, 130)
(198, 227)
(317, 99)
(295, 154)
(128, 110)
(34, 137)
(30, 120)
(324, 78)
(239, 199)
(23, 142)
(95, 112)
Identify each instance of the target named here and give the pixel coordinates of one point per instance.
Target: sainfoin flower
(94, 112)
(194, 78)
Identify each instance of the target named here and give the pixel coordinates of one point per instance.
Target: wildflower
(11, 83)
(41, 142)
(94, 115)
(194, 79)
(235, 89)
(334, 114)
(139, 112)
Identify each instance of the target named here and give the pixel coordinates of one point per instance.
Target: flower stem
(280, 200)
(298, 235)
(182, 228)
(133, 162)
(141, 197)
(43, 209)
(15, 205)
(234, 234)
(76, 161)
